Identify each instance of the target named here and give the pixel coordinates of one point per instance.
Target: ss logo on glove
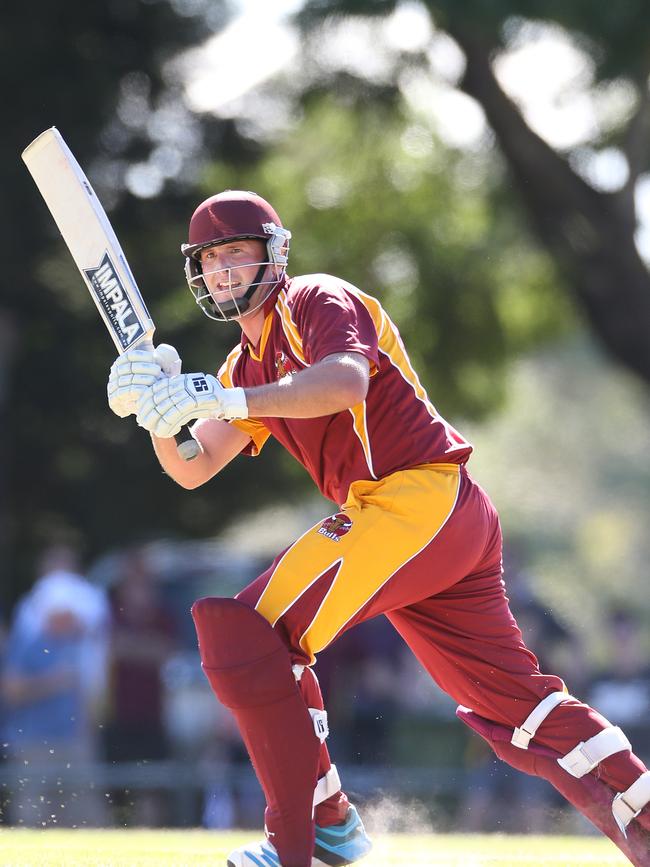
(172, 401)
(200, 384)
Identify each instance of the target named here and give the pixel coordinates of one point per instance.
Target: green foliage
(566, 464)
(615, 34)
(589, 233)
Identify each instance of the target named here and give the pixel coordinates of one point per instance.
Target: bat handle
(187, 447)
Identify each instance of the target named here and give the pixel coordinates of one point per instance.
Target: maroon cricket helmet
(228, 216)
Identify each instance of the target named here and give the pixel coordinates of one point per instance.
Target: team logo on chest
(284, 366)
(335, 526)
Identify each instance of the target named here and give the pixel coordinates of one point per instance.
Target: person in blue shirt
(48, 718)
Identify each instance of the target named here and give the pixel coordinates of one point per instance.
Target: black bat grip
(186, 445)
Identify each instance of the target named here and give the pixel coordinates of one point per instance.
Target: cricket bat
(95, 249)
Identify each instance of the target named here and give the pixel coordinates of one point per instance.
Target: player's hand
(174, 401)
(136, 371)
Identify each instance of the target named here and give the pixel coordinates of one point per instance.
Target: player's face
(230, 268)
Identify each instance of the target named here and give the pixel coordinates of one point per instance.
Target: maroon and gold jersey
(394, 428)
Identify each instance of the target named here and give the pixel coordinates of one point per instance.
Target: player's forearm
(333, 385)
(220, 442)
(188, 474)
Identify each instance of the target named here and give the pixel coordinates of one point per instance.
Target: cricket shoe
(335, 846)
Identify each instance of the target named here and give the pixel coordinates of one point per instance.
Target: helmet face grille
(269, 273)
(232, 306)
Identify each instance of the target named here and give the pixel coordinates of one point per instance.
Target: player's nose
(219, 272)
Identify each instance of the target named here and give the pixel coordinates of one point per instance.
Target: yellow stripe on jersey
(257, 431)
(392, 520)
(225, 371)
(390, 343)
(289, 327)
(266, 330)
(358, 413)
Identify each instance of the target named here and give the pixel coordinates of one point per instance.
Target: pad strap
(522, 735)
(327, 786)
(588, 754)
(629, 804)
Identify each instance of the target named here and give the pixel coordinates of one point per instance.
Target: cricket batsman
(321, 367)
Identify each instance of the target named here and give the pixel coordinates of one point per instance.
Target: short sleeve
(331, 318)
(256, 430)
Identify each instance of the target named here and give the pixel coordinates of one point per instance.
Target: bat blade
(94, 246)
(90, 238)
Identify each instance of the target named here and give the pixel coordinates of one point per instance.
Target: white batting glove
(135, 371)
(174, 401)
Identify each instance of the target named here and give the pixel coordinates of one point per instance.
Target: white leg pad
(526, 731)
(588, 754)
(629, 804)
(327, 786)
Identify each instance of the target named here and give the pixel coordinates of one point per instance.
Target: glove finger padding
(133, 356)
(171, 402)
(125, 380)
(135, 371)
(168, 359)
(142, 368)
(174, 401)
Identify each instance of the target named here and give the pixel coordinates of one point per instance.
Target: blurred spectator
(142, 639)
(60, 581)
(52, 684)
(621, 690)
(365, 662)
(231, 799)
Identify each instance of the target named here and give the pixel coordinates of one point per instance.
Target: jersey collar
(269, 306)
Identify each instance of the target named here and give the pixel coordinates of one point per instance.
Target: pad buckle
(628, 804)
(327, 786)
(523, 734)
(587, 754)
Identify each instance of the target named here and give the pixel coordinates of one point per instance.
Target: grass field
(21, 848)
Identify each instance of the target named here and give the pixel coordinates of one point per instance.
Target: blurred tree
(577, 516)
(103, 73)
(590, 231)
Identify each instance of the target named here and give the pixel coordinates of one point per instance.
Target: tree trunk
(590, 234)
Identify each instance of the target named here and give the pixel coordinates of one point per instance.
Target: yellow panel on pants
(392, 520)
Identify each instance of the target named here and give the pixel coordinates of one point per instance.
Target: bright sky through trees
(544, 71)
